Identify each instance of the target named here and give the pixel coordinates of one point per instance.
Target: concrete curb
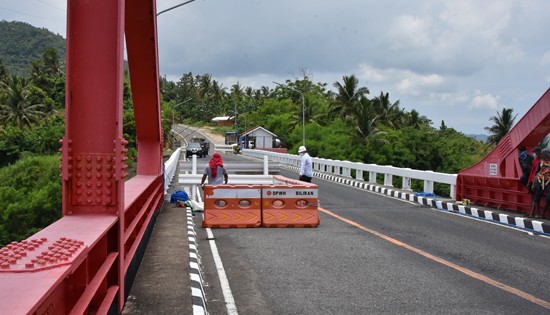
(501, 218)
(198, 298)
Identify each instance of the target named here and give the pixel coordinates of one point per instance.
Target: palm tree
(236, 91)
(205, 86)
(51, 65)
(364, 121)
(48, 67)
(265, 91)
(218, 93)
(503, 122)
(389, 114)
(16, 106)
(348, 96)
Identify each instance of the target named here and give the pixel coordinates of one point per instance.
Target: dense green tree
(415, 120)
(13, 143)
(454, 151)
(46, 135)
(30, 197)
(168, 90)
(503, 122)
(40, 139)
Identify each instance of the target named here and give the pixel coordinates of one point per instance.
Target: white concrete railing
(345, 168)
(170, 168)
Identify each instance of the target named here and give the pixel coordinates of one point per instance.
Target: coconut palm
(265, 91)
(348, 96)
(218, 92)
(16, 105)
(503, 122)
(205, 86)
(364, 121)
(236, 92)
(389, 113)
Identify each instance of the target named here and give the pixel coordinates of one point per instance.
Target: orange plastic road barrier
(291, 203)
(232, 206)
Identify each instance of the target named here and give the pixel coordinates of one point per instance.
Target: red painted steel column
(141, 42)
(93, 148)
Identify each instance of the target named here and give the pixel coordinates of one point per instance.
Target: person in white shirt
(306, 172)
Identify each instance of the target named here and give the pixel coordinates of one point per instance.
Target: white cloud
(405, 81)
(408, 31)
(415, 84)
(485, 101)
(545, 60)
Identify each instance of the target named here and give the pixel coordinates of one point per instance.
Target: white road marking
(226, 290)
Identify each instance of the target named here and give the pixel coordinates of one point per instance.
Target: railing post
(453, 191)
(359, 174)
(388, 180)
(346, 172)
(372, 177)
(428, 186)
(266, 165)
(406, 183)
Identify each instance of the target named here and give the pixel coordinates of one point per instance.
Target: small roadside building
(260, 137)
(224, 120)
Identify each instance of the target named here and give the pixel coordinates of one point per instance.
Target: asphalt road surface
(373, 254)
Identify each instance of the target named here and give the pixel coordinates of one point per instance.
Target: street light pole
(235, 112)
(174, 107)
(303, 110)
(176, 6)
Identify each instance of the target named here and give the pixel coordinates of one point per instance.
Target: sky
(458, 61)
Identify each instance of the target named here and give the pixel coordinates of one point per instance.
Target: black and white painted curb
(518, 222)
(197, 289)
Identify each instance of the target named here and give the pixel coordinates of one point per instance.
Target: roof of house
(255, 129)
(222, 118)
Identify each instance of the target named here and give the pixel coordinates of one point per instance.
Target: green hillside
(21, 43)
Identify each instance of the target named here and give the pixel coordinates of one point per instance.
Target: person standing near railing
(215, 171)
(306, 171)
(541, 187)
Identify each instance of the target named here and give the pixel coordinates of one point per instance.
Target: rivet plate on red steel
(39, 254)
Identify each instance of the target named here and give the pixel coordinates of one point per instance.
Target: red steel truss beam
(141, 41)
